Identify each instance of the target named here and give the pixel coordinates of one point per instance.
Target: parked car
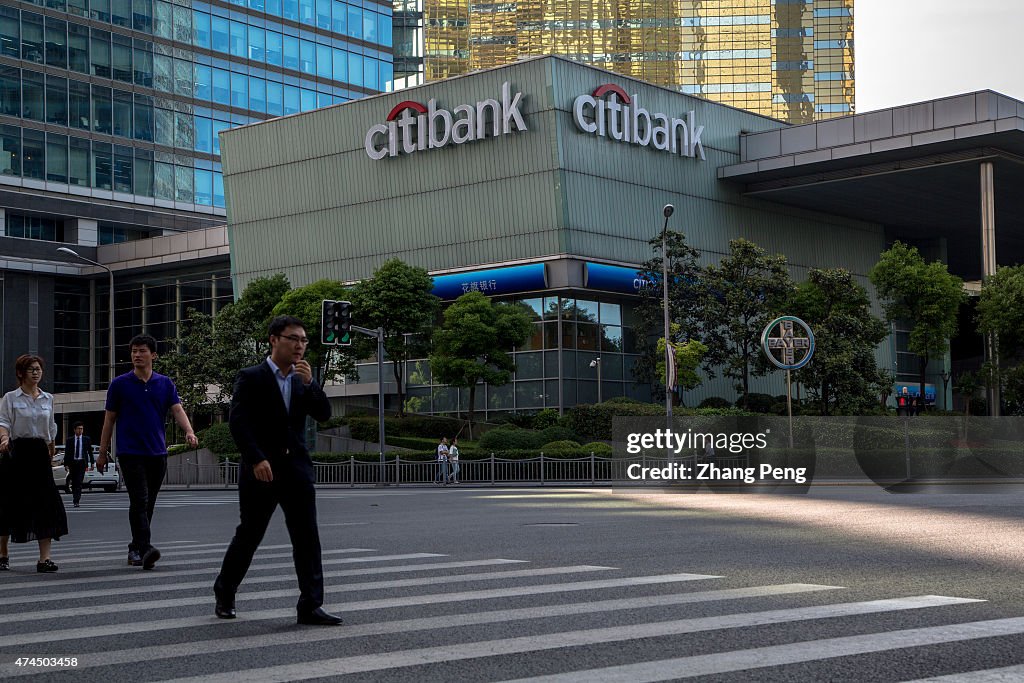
(109, 479)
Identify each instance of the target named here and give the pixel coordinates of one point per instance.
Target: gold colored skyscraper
(790, 59)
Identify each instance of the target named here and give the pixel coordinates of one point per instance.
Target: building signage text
(411, 127)
(610, 112)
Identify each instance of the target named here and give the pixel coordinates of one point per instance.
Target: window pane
(184, 183)
(163, 73)
(218, 189)
(257, 94)
(182, 17)
(237, 39)
(355, 22)
(32, 95)
(239, 90)
(10, 33)
(219, 31)
(323, 61)
(57, 158)
(274, 48)
(384, 30)
(163, 127)
(369, 73)
(201, 29)
(121, 58)
(183, 78)
(10, 150)
(122, 169)
(57, 100)
(33, 148)
(184, 131)
(79, 115)
(142, 15)
(291, 100)
(355, 69)
(122, 113)
(257, 44)
(323, 14)
(218, 126)
(143, 173)
(203, 82)
(273, 7)
(121, 12)
(204, 134)
(100, 53)
(308, 100)
(78, 162)
(290, 9)
(369, 26)
(163, 25)
(100, 10)
(163, 181)
(338, 12)
(340, 65)
(56, 43)
(307, 57)
(143, 118)
(32, 37)
(275, 98)
(78, 48)
(291, 52)
(102, 109)
(10, 91)
(204, 187)
(221, 86)
(143, 64)
(306, 12)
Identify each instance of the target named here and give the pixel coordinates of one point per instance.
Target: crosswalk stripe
(552, 641)
(121, 551)
(1006, 674)
(383, 603)
(172, 560)
(222, 644)
(795, 653)
(213, 571)
(373, 585)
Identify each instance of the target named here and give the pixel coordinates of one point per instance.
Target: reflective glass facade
(789, 59)
(130, 95)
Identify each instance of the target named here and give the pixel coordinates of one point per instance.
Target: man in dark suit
(78, 457)
(268, 414)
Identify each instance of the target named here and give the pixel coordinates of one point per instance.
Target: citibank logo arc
(412, 127)
(610, 112)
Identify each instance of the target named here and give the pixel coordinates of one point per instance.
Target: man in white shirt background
(78, 457)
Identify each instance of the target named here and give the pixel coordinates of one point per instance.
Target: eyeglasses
(35, 370)
(295, 338)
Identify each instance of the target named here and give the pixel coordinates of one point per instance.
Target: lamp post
(596, 363)
(667, 211)
(110, 274)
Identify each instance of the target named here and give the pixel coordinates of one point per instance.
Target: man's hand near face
(305, 372)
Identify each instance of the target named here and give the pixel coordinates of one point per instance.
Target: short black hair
(143, 340)
(77, 425)
(280, 323)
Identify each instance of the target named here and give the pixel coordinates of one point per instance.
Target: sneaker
(46, 566)
(5, 564)
(134, 559)
(150, 558)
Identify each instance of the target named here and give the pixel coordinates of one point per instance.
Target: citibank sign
(610, 112)
(412, 127)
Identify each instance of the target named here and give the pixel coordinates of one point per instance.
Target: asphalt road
(843, 584)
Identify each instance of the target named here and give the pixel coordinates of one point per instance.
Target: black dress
(32, 508)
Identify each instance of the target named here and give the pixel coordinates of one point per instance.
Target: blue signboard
(615, 278)
(914, 389)
(508, 280)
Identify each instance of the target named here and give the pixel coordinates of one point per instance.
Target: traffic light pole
(379, 335)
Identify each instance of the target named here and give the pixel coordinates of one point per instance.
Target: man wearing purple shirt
(137, 402)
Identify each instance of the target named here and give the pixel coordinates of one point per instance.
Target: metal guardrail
(489, 471)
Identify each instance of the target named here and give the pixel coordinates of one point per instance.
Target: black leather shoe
(149, 558)
(46, 566)
(225, 608)
(134, 559)
(5, 564)
(319, 617)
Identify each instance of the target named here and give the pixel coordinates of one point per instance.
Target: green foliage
(842, 377)
(217, 437)
(715, 402)
(306, 304)
(742, 295)
(760, 403)
(422, 426)
(545, 418)
(560, 446)
(398, 299)
(556, 433)
(1000, 312)
(598, 448)
(472, 346)
(684, 277)
(511, 437)
(619, 400)
(689, 355)
(924, 295)
(595, 421)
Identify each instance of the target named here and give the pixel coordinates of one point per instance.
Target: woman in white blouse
(30, 505)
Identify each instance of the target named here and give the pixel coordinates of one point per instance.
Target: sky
(914, 50)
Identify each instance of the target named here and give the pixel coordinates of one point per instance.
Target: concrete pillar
(82, 231)
(988, 268)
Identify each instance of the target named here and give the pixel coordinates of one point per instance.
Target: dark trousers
(143, 475)
(257, 501)
(77, 471)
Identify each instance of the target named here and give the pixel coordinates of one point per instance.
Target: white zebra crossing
(391, 609)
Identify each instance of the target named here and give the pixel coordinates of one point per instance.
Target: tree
(398, 299)
(192, 362)
(684, 277)
(306, 304)
(1000, 312)
(689, 355)
(925, 296)
(474, 342)
(843, 375)
(741, 296)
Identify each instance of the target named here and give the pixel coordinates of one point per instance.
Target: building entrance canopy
(924, 171)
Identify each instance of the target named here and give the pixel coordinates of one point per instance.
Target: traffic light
(336, 323)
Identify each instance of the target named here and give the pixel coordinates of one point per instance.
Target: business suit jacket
(263, 428)
(69, 452)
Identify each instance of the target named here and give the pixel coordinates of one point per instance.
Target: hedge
(365, 428)
(217, 437)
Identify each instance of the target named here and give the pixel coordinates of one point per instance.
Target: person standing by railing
(442, 462)
(453, 459)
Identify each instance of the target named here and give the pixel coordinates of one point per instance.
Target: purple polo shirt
(141, 409)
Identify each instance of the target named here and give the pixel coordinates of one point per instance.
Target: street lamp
(667, 211)
(110, 273)
(596, 363)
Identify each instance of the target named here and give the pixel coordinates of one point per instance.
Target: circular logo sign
(788, 342)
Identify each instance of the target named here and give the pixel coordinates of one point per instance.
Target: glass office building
(788, 59)
(128, 96)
